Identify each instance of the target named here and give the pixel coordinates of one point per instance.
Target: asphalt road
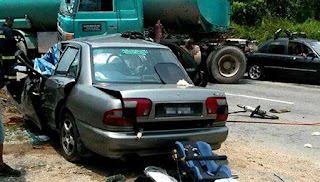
(302, 100)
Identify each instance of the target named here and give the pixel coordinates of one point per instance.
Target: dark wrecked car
(291, 57)
(117, 96)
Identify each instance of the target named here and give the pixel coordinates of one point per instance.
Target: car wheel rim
(67, 138)
(255, 72)
(228, 66)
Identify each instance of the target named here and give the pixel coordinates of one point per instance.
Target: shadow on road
(297, 81)
(240, 82)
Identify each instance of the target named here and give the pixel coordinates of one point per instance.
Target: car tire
(256, 72)
(68, 138)
(227, 64)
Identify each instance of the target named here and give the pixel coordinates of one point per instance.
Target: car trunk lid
(172, 107)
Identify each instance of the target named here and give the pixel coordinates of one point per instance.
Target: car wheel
(255, 71)
(69, 137)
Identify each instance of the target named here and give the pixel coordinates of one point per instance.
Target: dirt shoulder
(254, 162)
(44, 163)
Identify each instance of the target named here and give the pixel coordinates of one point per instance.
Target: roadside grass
(270, 25)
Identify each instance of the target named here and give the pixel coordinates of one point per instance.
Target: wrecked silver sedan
(118, 96)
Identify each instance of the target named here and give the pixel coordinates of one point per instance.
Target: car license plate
(178, 110)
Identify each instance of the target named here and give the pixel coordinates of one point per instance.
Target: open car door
(198, 77)
(27, 92)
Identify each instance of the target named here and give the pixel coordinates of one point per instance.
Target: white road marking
(260, 98)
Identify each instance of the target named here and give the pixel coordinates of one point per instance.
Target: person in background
(193, 50)
(299, 51)
(7, 50)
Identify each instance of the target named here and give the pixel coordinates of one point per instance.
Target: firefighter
(7, 50)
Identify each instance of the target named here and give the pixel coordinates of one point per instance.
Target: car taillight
(143, 106)
(115, 117)
(133, 108)
(217, 106)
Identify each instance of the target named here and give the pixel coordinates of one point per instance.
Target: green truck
(204, 21)
(35, 23)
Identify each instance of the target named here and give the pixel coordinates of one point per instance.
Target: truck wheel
(227, 64)
(68, 138)
(255, 71)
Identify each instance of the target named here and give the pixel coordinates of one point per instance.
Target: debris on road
(183, 83)
(257, 111)
(43, 138)
(276, 175)
(158, 174)
(316, 134)
(280, 111)
(308, 145)
(116, 178)
(14, 120)
(226, 180)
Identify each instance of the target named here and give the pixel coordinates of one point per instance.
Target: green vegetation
(259, 19)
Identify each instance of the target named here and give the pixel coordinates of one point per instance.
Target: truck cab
(82, 18)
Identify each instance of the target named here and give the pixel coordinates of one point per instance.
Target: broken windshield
(136, 65)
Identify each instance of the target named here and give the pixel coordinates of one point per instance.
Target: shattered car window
(130, 65)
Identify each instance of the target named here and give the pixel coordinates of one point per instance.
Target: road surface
(302, 100)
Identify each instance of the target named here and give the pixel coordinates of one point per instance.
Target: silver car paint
(88, 105)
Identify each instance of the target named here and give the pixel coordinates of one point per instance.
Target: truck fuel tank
(188, 16)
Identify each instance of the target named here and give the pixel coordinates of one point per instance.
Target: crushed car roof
(116, 40)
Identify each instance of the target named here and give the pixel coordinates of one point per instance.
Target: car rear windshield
(136, 65)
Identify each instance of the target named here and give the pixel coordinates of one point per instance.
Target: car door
(273, 60)
(58, 86)
(298, 66)
(130, 13)
(189, 64)
(96, 17)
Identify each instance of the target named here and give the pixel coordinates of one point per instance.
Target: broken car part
(258, 111)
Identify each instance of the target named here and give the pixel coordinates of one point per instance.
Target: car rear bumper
(117, 144)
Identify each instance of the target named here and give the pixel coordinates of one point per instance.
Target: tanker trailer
(206, 22)
(35, 24)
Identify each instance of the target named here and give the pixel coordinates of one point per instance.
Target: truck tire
(227, 64)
